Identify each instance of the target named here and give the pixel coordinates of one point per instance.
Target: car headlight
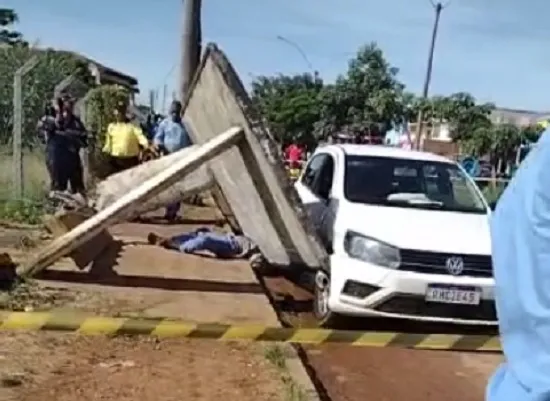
(372, 251)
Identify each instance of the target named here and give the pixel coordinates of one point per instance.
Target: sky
(494, 49)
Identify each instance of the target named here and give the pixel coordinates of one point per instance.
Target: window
(319, 174)
(312, 169)
(410, 183)
(323, 185)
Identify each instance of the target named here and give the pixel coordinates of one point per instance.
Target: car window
(410, 183)
(312, 170)
(323, 181)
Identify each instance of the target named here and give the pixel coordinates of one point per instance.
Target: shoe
(153, 239)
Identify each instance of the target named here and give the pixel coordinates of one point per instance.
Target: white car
(407, 233)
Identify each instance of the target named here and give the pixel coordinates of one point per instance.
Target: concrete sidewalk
(171, 284)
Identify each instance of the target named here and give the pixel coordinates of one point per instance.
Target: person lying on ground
(520, 236)
(220, 245)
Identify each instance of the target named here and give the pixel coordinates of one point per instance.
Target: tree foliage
(291, 104)
(8, 36)
(99, 104)
(38, 85)
(369, 97)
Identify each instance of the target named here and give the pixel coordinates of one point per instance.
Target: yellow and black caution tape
(160, 327)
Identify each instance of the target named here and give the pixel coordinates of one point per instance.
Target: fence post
(18, 125)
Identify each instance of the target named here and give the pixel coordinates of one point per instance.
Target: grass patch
(35, 180)
(276, 356)
(27, 295)
(23, 211)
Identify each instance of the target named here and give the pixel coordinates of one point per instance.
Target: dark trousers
(118, 164)
(65, 169)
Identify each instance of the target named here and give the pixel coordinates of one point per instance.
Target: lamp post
(301, 51)
(438, 7)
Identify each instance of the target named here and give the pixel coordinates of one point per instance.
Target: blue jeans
(221, 245)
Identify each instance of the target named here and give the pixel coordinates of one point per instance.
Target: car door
(314, 188)
(326, 212)
(305, 184)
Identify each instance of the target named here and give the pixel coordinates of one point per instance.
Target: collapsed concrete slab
(253, 190)
(90, 228)
(116, 186)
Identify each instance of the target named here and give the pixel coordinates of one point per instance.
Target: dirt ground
(66, 367)
(42, 366)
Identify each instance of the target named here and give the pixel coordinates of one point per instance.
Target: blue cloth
(520, 230)
(172, 135)
(221, 245)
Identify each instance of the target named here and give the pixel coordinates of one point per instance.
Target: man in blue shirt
(170, 137)
(520, 235)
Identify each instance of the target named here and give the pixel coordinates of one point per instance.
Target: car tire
(325, 317)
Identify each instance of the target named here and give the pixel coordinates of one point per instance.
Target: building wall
(520, 118)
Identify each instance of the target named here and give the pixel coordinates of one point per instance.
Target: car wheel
(321, 309)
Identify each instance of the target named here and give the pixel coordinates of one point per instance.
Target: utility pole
(438, 7)
(152, 100)
(163, 109)
(190, 44)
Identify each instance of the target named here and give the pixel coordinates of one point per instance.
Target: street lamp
(438, 7)
(299, 50)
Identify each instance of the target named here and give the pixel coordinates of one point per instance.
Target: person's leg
(113, 165)
(128, 162)
(217, 244)
(173, 243)
(50, 165)
(76, 175)
(62, 168)
(172, 211)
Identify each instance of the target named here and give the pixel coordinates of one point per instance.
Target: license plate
(453, 295)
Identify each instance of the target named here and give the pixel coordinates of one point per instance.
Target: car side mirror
(493, 205)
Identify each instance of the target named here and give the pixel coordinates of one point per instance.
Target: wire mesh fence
(34, 174)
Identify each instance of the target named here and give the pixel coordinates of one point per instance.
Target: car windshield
(386, 181)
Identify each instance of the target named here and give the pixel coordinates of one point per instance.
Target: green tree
(8, 36)
(100, 103)
(291, 105)
(465, 116)
(38, 85)
(368, 98)
(531, 133)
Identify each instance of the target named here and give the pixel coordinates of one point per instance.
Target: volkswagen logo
(455, 265)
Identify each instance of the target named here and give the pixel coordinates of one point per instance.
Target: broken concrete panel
(116, 186)
(90, 228)
(65, 221)
(252, 179)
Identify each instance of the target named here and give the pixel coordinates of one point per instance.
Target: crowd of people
(65, 135)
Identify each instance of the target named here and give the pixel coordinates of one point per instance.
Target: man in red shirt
(294, 155)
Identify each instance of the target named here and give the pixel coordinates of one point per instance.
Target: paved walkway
(134, 277)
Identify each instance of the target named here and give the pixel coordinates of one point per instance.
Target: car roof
(386, 151)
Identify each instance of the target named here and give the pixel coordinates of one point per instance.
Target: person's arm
(79, 132)
(158, 140)
(140, 136)
(108, 140)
